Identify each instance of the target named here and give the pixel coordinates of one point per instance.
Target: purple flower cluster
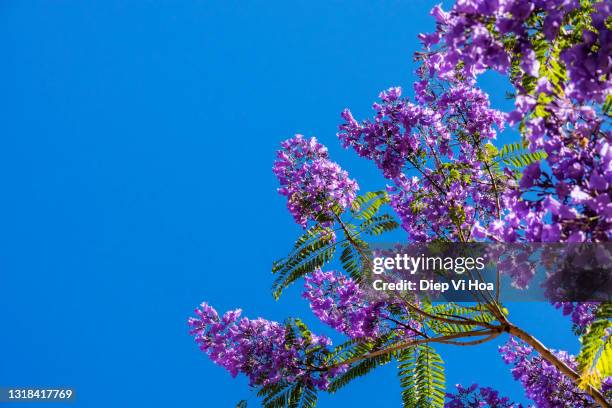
(313, 184)
(339, 302)
(484, 34)
(582, 314)
(588, 63)
(442, 140)
(258, 348)
(543, 382)
(571, 201)
(477, 397)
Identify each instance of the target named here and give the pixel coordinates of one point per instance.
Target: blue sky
(138, 140)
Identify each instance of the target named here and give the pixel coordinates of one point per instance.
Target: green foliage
(355, 251)
(241, 404)
(311, 251)
(454, 311)
(517, 155)
(367, 205)
(607, 106)
(595, 358)
(421, 373)
(359, 348)
(285, 395)
(358, 370)
(316, 246)
(354, 258)
(297, 329)
(407, 376)
(378, 225)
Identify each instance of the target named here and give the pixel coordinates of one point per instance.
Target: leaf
(509, 148)
(312, 250)
(241, 404)
(359, 348)
(421, 373)
(407, 376)
(453, 311)
(595, 357)
(367, 205)
(517, 155)
(354, 258)
(309, 398)
(317, 247)
(378, 225)
(347, 350)
(296, 395)
(430, 378)
(358, 370)
(607, 106)
(275, 395)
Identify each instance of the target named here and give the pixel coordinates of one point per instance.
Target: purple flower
(439, 14)
(313, 184)
(544, 383)
(339, 302)
(403, 132)
(256, 348)
(582, 314)
(477, 397)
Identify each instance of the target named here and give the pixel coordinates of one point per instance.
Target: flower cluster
(477, 35)
(571, 200)
(478, 397)
(582, 314)
(339, 302)
(262, 350)
(443, 142)
(543, 382)
(313, 184)
(588, 63)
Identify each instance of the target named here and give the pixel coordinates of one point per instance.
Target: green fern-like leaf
(354, 258)
(311, 252)
(378, 225)
(317, 247)
(360, 348)
(275, 395)
(288, 395)
(367, 205)
(421, 374)
(241, 404)
(595, 358)
(454, 311)
(517, 155)
(430, 378)
(347, 350)
(607, 106)
(309, 398)
(521, 160)
(407, 376)
(509, 149)
(358, 370)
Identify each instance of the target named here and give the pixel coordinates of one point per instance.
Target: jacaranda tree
(447, 182)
